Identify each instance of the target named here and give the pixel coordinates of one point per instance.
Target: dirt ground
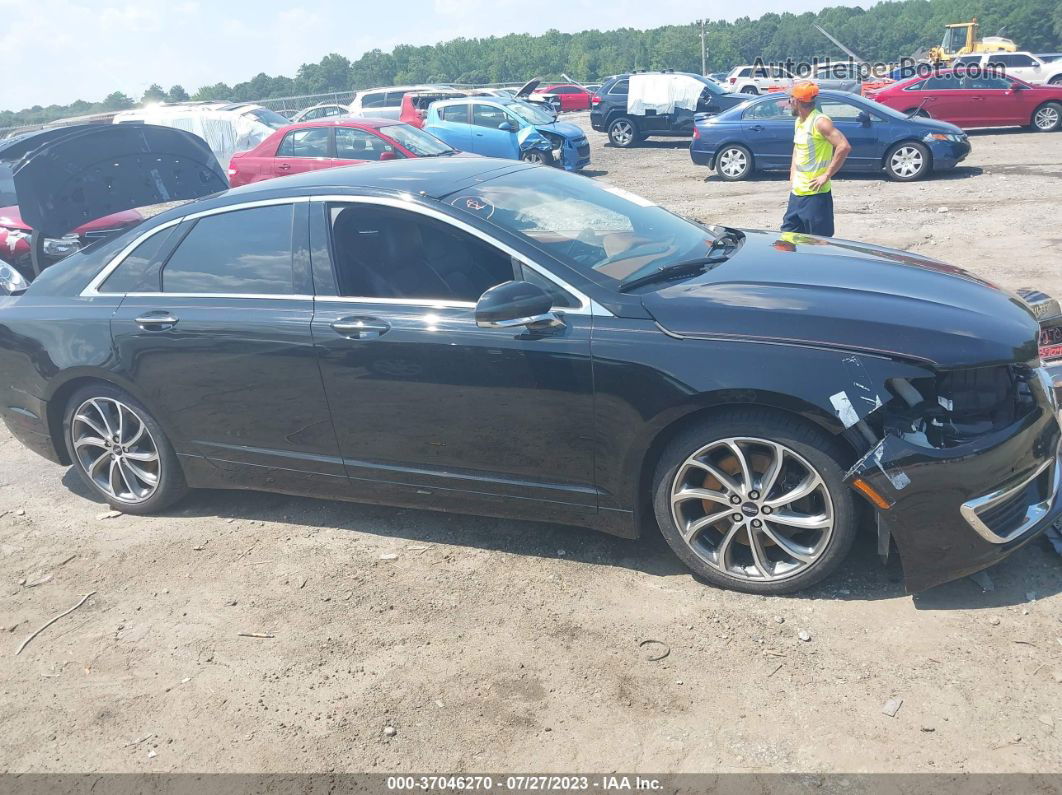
(491, 645)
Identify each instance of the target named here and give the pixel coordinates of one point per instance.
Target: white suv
(756, 79)
(1022, 65)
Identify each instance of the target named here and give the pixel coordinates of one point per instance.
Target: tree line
(885, 32)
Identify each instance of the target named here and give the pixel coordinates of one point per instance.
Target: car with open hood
(508, 128)
(757, 136)
(494, 337)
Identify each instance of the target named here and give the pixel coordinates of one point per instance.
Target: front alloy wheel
(907, 162)
(1048, 117)
(755, 502)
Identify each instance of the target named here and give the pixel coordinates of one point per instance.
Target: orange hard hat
(804, 91)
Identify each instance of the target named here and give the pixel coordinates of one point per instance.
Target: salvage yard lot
(491, 645)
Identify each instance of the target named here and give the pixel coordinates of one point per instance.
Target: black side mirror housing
(864, 118)
(514, 304)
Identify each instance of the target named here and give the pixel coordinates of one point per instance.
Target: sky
(57, 51)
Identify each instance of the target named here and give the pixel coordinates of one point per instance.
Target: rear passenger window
(139, 272)
(240, 252)
(620, 87)
(377, 100)
(455, 113)
(310, 142)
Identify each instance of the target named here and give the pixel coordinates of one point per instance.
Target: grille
(583, 148)
(1008, 515)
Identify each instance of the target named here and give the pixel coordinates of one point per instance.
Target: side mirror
(514, 304)
(1016, 86)
(387, 156)
(506, 126)
(864, 118)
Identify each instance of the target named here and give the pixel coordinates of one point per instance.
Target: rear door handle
(360, 328)
(156, 321)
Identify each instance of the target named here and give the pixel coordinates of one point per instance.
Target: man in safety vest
(819, 151)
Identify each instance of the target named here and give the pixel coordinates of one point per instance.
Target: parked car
(515, 341)
(719, 77)
(415, 105)
(570, 96)
(323, 110)
(985, 101)
(756, 79)
(1033, 69)
(758, 136)
(836, 76)
(508, 128)
(526, 92)
(386, 102)
(628, 125)
(316, 145)
(227, 127)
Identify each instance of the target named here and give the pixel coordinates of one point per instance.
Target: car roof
(418, 87)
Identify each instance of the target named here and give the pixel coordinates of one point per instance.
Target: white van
(386, 102)
(227, 127)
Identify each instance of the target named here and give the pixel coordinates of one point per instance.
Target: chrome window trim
(1033, 513)
(93, 291)
(587, 305)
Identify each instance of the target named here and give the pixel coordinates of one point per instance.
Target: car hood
(567, 129)
(528, 87)
(935, 126)
(790, 288)
(11, 217)
(89, 171)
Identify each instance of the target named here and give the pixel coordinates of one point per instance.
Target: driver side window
(383, 252)
(488, 116)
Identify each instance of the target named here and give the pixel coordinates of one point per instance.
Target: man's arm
(841, 148)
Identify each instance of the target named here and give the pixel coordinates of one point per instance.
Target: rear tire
(750, 90)
(733, 163)
(623, 132)
(917, 113)
(1047, 117)
(908, 161)
(120, 451)
(756, 558)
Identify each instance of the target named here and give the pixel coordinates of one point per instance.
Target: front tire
(623, 132)
(537, 157)
(1047, 117)
(120, 451)
(733, 163)
(755, 501)
(1055, 81)
(907, 161)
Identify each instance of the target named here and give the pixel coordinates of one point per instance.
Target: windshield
(416, 141)
(269, 117)
(7, 186)
(599, 230)
(530, 113)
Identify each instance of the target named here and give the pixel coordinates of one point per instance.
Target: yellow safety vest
(812, 154)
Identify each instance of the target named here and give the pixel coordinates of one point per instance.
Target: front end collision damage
(961, 466)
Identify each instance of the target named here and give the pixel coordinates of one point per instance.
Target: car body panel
(770, 139)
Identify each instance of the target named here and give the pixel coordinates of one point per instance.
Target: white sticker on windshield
(634, 198)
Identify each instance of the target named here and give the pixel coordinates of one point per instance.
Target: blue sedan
(758, 136)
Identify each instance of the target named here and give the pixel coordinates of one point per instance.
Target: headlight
(943, 137)
(58, 247)
(11, 281)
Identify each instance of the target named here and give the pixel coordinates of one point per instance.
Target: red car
(983, 101)
(15, 236)
(415, 105)
(328, 143)
(571, 97)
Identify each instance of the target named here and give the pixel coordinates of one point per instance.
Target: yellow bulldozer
(961, 38)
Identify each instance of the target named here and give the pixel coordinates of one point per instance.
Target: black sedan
(490, 337)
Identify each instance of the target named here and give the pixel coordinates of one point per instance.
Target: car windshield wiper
(670, 271)
(686, 267)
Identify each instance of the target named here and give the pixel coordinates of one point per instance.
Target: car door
(355, 146)
(214, 332)
(943, 98)
(487, 138)
(451, 124)
(428, 407)
(861, 128)
(306, 149)
(768, 129)
(996, 102)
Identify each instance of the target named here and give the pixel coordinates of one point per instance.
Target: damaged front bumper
(957, 510)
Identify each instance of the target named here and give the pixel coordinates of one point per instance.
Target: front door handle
(156, 321)
(284, 166)
(361, 328)
(756, 127)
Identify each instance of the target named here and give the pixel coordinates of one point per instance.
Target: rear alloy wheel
(755, 502)
(750, 90)
(918, 113)
(1047, 117)
(623, 133)
(733, 163)
(121, 452)
(907, 162)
